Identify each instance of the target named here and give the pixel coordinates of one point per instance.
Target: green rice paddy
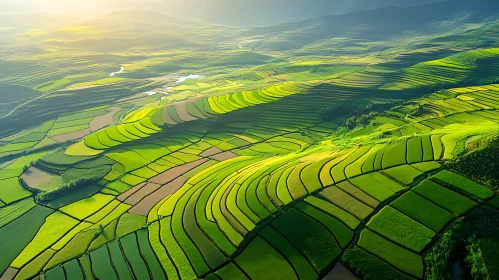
(254, 171)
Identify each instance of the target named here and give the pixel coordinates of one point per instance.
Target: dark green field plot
(101, 264)
(489, 248)
(494, 202)
(260, 260)
(450, 200)
(399, 257)
(149, 256)
(17, 234)
(73, 270)
(119, 261)
(423, 211)
(134, 257)
(398, 227)
(463, 184)
(228, 272)
(342, 233)
(371, 266)
(302, 266)
(310, 237)
(56, 273)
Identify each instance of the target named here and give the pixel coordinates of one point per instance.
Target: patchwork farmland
(213, 162)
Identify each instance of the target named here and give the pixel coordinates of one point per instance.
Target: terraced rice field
(203, 196)
(212, 211)
(244, 174)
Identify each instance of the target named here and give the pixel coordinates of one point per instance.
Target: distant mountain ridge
(365, 5)
(231, 12)
(263, 12)
(380, 24)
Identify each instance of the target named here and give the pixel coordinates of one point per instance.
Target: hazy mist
(222, 11)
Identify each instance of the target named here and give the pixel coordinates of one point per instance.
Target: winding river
(190, 77)
(119, 72)
(179, 80)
